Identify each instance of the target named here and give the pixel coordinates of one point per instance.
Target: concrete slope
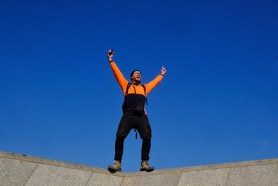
(24, 170)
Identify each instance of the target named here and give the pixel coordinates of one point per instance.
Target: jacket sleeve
(153, 83)
(119, 76)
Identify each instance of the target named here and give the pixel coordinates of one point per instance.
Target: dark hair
(131, 74)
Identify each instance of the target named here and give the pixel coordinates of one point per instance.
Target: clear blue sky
(218, 102)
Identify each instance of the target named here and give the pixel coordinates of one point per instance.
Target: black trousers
(141, 124)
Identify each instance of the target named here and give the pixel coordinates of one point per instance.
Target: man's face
(136, 77)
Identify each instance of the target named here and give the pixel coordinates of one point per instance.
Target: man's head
(135, 76)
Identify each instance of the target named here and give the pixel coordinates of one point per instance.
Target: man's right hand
(110, 55)
(163, 71)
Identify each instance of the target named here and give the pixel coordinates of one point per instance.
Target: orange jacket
(132, 100)
(139, 89)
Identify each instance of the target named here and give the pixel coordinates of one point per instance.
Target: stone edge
(38, 160)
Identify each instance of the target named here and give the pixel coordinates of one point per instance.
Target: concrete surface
(16, 169)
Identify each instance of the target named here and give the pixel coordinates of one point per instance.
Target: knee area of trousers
(146, 139)
(146, 136)
(120, 139)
